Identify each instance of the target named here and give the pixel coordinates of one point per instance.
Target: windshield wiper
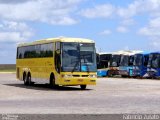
(75, 65)
(79, 61)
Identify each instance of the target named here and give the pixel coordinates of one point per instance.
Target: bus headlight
(92, 76)
(67, 76)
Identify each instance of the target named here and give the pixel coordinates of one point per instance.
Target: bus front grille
(76, 75)
(84, 75)
(80, 75)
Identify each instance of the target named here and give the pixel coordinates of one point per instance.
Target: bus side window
(57, 57)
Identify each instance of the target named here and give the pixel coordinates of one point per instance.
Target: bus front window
(87, 56)
(78, 57)
(138, 60)
(155, 61)
(124, 60)
(70, 57)
(115, 60)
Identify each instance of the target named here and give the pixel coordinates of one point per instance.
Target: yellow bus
(57, 61)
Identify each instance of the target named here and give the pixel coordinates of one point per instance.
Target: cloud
(152, 30)
(12, 36)
(135, 8)
(99, 11)
(141, 7)
(122, 29)
(106, 32)
(14, 26)
(128, 22)
(138, 7)
(130, 11)
(11, 31)
(14, 1)
(57, 12)
(16, 15)
(156, 44)
(63, 21)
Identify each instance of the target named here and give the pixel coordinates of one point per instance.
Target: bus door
(57, 60)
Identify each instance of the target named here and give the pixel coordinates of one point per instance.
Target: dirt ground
(109, 96)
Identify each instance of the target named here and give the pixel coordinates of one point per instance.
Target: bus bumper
(102, 73)
(123, 72)
(78, 81)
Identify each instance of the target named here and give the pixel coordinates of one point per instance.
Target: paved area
(110, 95)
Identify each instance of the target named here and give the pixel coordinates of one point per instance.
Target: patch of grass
(7, 68)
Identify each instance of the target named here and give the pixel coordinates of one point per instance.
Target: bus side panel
(38, 67)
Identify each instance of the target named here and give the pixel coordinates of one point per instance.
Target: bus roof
(105, 53)
(127, 52)
(60, 39)
(145, 53)
(156, 52)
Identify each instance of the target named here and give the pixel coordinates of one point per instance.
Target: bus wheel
(52, 81)
(83, 87)
(109, 74)
(25, 79)
(29, 79)
(134, 76)
(123, 76)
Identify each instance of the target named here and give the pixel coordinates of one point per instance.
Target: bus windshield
(154, 60)
(124, 60)
(115, 61)
(138, 59)
(78, 57)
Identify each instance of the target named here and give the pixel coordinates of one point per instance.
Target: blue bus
(126, 64)
(103, 60)
(153, 68)
(140, 65)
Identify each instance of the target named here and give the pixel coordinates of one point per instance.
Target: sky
(113, 24)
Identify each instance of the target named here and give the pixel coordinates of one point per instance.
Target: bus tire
(52, 81)
(25, 79)
(124, 76)
(109, 74)
(29, 79)
(83, 87)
